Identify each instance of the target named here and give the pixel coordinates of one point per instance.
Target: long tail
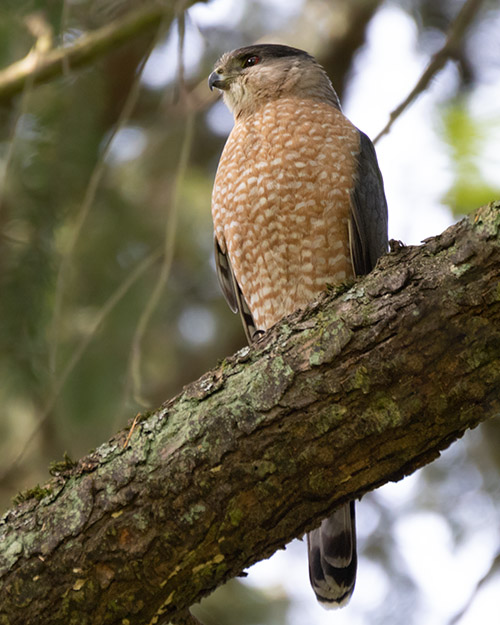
(332, 557)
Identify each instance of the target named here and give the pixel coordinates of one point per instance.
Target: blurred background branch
(449, 51)
(490, 574)
(44, 63)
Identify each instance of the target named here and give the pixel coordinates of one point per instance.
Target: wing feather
(232, 292)
(368, 225)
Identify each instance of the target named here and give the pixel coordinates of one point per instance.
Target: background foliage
(108, 297)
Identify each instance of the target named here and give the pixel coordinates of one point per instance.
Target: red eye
(252, 60)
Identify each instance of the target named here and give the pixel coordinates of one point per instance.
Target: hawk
(298, 204)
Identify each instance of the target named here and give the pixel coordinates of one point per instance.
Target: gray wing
(368, 227)
(232, 292)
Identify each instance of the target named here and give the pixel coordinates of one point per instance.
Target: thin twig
(134, 374)
(131, 431)
(64, 21)
(181, 78)
(455, 34)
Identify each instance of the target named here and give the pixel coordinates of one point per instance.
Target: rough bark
(364, 387)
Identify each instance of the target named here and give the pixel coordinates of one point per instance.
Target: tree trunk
(365, 386)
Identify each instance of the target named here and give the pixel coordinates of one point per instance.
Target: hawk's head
(251, 76)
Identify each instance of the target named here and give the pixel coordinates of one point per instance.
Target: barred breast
(281, 204)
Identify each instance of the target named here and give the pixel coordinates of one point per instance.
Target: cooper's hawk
(298, 203)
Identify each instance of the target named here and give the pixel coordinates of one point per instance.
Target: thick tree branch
(40, 66)
(364, 387)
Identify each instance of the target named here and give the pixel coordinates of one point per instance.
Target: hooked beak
(219, 81)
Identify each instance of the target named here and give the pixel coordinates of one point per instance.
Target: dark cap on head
(269, 50)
